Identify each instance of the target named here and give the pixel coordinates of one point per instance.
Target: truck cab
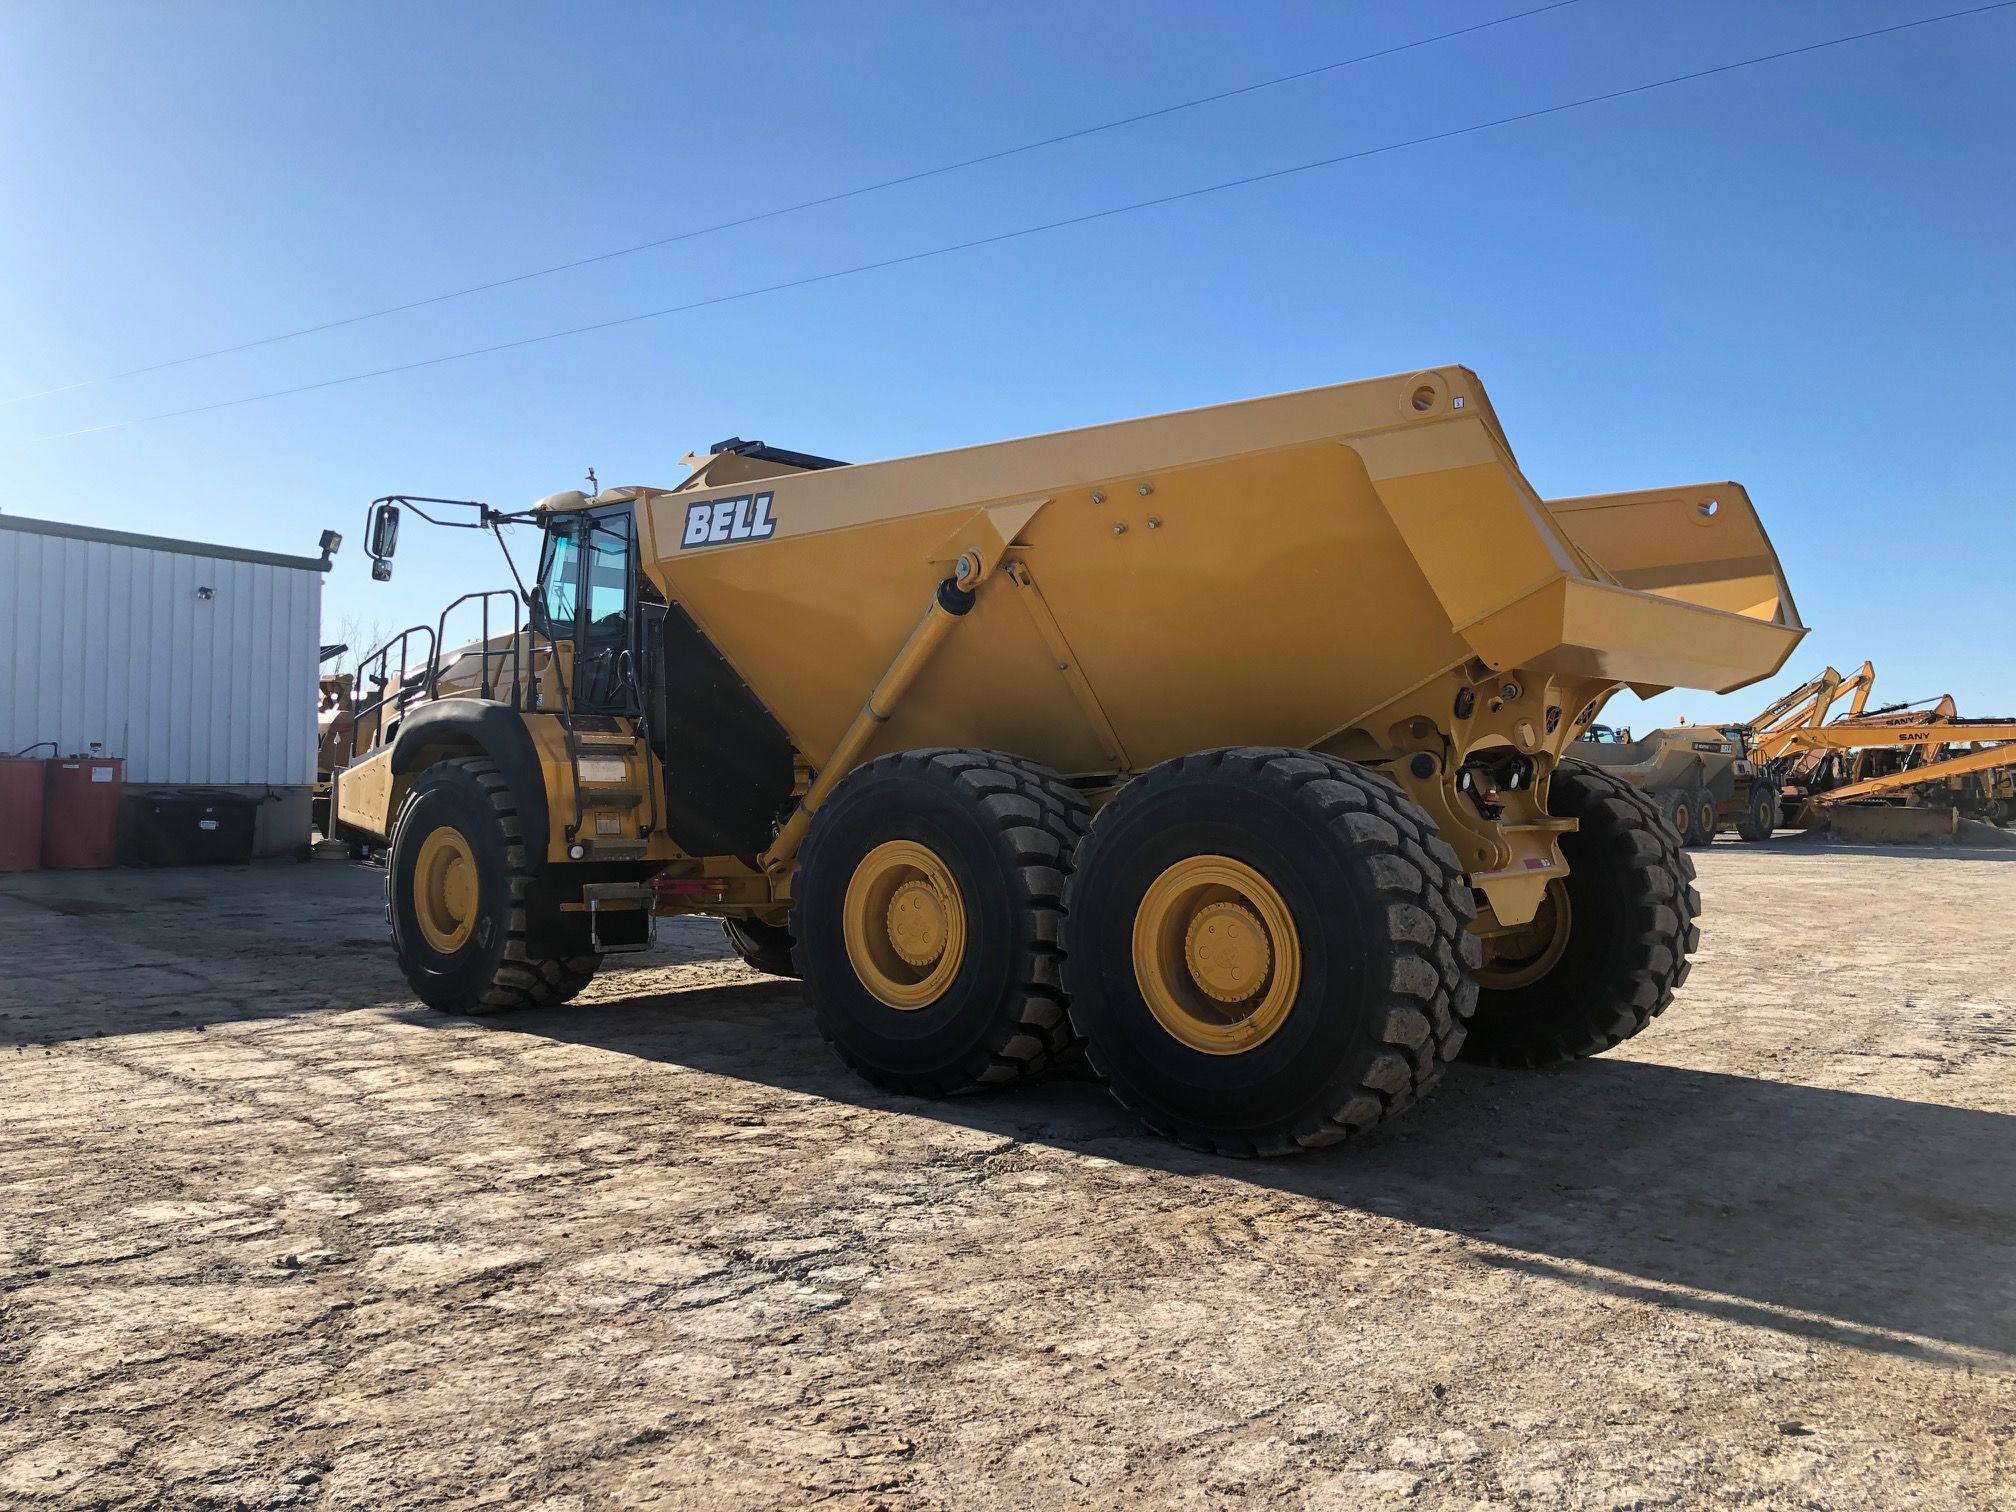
(630, 749)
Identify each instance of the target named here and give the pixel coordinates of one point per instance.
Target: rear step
(599, 894)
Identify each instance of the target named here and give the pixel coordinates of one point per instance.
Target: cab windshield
(559, 575)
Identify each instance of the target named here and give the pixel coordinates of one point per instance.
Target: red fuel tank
(21, 784)
(80, 812)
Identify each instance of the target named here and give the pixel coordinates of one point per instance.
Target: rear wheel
(1705, 820)
(1676, 807)
(1267, 950)
(1610, 944)
(928, 899)
(458, 885)
(1760, 813)
(762, 947)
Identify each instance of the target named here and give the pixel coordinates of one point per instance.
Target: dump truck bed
(1672, 757)
(1281, 570)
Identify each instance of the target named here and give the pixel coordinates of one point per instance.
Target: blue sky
(1796, 275)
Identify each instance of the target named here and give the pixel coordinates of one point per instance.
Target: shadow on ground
(1807, 1210)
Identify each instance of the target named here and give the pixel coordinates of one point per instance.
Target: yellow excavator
(1776, 730)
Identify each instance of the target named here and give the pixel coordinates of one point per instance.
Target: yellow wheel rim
(905, 925)
(1216, 955)
(1523, 955)
(445, 891)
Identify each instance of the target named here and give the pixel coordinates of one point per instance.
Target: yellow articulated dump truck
(1228, 742)
(1703, 778)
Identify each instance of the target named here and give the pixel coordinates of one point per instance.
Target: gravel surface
(273, 1235)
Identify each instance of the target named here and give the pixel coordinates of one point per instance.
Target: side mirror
(384, 537)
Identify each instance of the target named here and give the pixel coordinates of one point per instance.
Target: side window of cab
(608, 553)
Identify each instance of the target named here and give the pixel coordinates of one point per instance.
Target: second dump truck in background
(1228, 740)
(1702, 778)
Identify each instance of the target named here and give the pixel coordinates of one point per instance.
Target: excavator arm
(1980, 759)
(1782, 726)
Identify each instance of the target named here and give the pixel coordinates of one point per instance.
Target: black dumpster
(190, 827)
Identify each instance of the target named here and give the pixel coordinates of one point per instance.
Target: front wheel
(1706, 821)
(458, 885)
(1267, 950)
(1760, 813)
(1610, 943)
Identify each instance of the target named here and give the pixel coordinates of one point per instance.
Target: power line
(1055, 225)
(802, 205)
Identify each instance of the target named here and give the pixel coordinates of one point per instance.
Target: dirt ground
(272, 1235)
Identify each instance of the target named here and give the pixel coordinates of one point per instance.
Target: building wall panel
(109, 642)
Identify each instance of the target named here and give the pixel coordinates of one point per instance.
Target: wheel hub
(445, 890)
(1216, 955)
(916, 922)
(1521, 956)
(904, 924)
(1227, 952)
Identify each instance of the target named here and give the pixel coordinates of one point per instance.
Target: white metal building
(196, 663)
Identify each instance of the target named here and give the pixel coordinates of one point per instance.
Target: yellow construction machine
(1750, 777)
(334, 739)
(1229, 741)
(1775, 732)
(1904, 774)
(1702, 778)
(1899, 772)
(1998, 787)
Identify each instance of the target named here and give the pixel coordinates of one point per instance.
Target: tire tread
(1427, 907)
(520, 979)
(1040, 818)
(1655, 876)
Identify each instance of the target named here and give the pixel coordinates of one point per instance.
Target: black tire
(1633, 906)
(1706, 822)
(762, 947)
(492, 970)
(1378, 903)
(1760, 813)
(1006, 830)
(1676, 807)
